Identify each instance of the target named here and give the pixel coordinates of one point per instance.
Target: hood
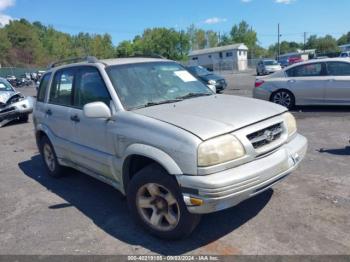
(211, 77)
(211, 116)
(5, 96)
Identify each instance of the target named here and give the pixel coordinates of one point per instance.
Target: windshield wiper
(192, 95)
(159, 103)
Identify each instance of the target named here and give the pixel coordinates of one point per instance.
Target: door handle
(49, 112)
(291, 81)
(75, 118)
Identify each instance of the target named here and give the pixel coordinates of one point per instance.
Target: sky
(123, 19)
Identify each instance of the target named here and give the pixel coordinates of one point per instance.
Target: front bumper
(16, 110)
(230, 187)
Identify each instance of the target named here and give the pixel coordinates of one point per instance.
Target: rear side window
(62, 87)
(306, 70)
(44, 83)
(90, 88)
(338, 69)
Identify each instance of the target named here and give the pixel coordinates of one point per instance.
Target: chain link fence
(16, 71)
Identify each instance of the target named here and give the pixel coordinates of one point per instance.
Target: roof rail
(89, 59)
(145, 56)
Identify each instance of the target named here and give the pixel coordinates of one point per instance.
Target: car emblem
(269, 135)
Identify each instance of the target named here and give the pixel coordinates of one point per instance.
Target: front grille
(266, 136)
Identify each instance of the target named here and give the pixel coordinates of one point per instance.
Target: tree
(5, 46)
(243, 33)
(212, 38)
(326, 44)
(344, 39)
(26, 46)
(285, 46)
(124, 49)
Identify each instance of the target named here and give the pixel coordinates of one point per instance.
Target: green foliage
(33, 44)
(244, 33)
(285, 46)
(325, 44)
(157, 41)
(344, 39)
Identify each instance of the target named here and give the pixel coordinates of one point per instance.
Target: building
(345, 48)
(232, 57)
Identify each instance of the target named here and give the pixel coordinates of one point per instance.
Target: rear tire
(284, 98)
(54, 169)
(156, 203)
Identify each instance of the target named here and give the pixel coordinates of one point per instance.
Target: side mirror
(97, 110)
(212, 88)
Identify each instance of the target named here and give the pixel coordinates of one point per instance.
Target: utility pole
(278, 42)
(305, 41)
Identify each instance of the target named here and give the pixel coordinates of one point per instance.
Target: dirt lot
(308, 213)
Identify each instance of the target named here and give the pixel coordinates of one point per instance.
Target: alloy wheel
(282, 98)
(49, 157)
(158, 207)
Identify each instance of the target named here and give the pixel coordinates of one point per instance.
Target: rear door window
(62, 87)
(338, 69)
(44, 83)
(307, 70)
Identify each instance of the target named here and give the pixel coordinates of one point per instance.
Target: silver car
(315, 82)
(13, 105)
(267, 66)
(150, 129)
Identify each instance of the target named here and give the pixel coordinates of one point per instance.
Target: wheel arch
(138, 156)
(285, 90)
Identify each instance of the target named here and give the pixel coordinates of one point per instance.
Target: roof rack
(145, 56)
(89, 59)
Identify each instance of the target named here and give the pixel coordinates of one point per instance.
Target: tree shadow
(336, 151)
(107, 208)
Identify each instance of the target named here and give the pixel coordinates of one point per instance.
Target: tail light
(259, 83)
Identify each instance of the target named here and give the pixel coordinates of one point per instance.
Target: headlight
(290, 123)
(212, 82)
(219, 150)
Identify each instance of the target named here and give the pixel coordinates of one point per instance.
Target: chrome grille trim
(266, 136)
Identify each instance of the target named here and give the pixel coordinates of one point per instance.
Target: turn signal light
(196, 201)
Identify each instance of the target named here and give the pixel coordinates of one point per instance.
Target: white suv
(150, 129)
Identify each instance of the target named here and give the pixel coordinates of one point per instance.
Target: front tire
(54, 169)
(156, 203)
(284, 98)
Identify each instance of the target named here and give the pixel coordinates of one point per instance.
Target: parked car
(12, 80)
(208, 78)
(267, 66)
(345, 54)
(294, 60)
(283, 62)
(315, 82)
(160, 136)
(13, 105)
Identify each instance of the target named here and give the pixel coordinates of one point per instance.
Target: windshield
(270, 62)
(199, 70)
(147, 84)
(5, 87)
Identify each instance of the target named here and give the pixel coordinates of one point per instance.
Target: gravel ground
(308, 213)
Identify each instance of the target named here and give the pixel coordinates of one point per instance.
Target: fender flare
(155, 154)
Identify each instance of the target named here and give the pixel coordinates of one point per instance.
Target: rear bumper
(261, 93)
(230, 187)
